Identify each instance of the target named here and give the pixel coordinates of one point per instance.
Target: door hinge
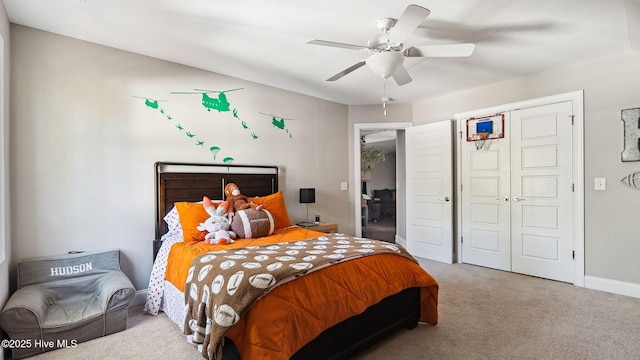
(460, 132)
(573, 187)
(460, 187)
(573, 254)
(572, 119)
(461, 240)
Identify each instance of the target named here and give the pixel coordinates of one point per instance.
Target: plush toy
(217, 225)
(237, 201)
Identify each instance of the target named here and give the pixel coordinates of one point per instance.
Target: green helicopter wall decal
(279, 122)
(154, 105)
(219, 103)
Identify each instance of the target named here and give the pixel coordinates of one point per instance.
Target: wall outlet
(344, 185)
(599, 184)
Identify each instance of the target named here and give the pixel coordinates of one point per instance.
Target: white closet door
(517, 195)
(486, 204)
(541, 191)
(430, 191)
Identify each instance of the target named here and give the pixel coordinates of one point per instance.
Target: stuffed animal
(237, 201)
(211, 208)
(217, 225)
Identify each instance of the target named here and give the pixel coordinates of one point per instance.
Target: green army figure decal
(214, 150)
(154, 105)
(221, 104)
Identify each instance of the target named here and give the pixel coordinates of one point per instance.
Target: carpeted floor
(483, 314)
(383, 229)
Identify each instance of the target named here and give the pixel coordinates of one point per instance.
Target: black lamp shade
(307, 195)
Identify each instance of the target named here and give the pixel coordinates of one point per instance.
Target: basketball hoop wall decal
(481, 129)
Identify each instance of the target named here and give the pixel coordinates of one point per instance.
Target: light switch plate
(344, 185)
(599, 184)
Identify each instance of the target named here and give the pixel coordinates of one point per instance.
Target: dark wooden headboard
(176, 182)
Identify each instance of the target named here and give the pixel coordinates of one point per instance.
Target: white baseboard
(612, 286)
(401, 241)
(140, 298)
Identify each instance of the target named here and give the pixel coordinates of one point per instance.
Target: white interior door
(486, 204)
(542, 192)
(429, 178)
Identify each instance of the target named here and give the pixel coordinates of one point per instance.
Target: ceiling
(265, 41)
(381, 139)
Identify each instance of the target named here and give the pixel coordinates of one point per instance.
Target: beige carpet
(484, 314)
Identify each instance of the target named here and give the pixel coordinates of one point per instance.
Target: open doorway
(378, 184)
(387, 175)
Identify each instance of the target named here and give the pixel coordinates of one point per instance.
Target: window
(4, 163)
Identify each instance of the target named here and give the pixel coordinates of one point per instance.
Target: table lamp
(307, 196)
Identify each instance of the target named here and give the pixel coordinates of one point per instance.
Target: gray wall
(610, 85)
(83, 147)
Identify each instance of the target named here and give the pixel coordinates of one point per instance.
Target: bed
(333, 312)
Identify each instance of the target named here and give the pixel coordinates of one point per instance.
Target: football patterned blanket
(222, 285)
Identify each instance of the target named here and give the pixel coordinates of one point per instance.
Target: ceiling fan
(387, 52)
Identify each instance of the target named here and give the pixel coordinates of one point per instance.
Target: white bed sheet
(161, 294)
(173, 304)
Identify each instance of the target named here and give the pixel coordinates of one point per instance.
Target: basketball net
(479, 139)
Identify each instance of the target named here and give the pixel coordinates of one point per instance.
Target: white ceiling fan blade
(337, 44)
(453, 50)
(412, 17)
(347, 71)
(401, 76)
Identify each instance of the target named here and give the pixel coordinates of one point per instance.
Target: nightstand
(327, 227)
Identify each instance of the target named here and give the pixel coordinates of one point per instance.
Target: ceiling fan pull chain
(384, 97)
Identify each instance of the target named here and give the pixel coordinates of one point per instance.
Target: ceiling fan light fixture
(385, 63)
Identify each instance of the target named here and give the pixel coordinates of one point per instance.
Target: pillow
(191, 215)
(275, 204)
(173, 220)
(251, 223)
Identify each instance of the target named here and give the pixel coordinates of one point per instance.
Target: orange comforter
(296, 312)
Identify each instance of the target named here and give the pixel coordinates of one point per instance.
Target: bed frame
(177, 182)
(190, 181)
